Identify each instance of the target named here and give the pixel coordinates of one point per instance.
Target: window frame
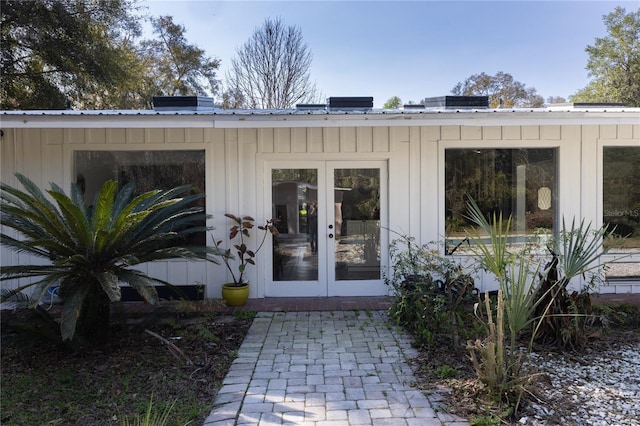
(617, 256)
(71, 169)
(562, 152)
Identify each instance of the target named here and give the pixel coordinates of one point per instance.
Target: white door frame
(326, 285)
(357, 287)
(295, 288)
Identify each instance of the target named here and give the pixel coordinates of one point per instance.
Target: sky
(411, 49)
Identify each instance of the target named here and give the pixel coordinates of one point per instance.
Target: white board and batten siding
(238, 153)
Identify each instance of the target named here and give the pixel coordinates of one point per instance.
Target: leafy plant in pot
(236, 293)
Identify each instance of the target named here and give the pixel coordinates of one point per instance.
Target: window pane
(520, 183)
(357, 224)
(621, 193)
(148, 169)
(295, 249)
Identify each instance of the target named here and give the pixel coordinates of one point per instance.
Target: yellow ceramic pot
(235, 295)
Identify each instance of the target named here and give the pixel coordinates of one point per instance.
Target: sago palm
(91, 251)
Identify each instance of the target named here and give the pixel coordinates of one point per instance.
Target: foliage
(530, 297)
(489, 419)
(175, 66)
(89, 252)
(556, 100)
(516, 269)
(576, 252)
(503, 90)
(446, 371)
(433, 294)
(498, 366)
(490, 367)
(614, 62)
(89, 55)
(271, 69)
(619, 315)
(393, 102)
(240, 230)
(152, 416)
(245, 315)
(55, 50)
(233, 99)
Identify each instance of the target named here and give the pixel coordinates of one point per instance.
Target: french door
(331, 217)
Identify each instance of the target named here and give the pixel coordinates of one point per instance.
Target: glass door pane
(294, 195)
(357, 223)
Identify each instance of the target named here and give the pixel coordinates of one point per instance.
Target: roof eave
(249, 119)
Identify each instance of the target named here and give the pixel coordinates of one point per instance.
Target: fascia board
(434, 119)
(27, 121)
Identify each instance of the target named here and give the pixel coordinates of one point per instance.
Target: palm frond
(40, 288)
(75, 221)
(142, 283)
(110, 285)
(13, 272)
(494, 255)
(31, 221)
(580, 247)
(77, 196)
(71, 312)
(20, 246)
(17, 300)
(35, 205)
(102, 207)
(35, 192)
(123, 198)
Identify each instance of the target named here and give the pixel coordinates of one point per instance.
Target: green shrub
(446, 372)
(91, 251)
(433, 294)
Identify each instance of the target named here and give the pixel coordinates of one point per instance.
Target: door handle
(330, 235)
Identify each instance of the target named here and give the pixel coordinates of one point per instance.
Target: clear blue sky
(412, 49)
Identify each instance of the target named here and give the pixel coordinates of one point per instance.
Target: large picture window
(621, 194)
(148, 169)
(520, 183)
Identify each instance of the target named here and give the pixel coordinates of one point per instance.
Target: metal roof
(319, 111)
(227, 118)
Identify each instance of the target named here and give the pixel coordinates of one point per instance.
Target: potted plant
(236, 293)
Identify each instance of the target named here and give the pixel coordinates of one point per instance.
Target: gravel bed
(600, 389)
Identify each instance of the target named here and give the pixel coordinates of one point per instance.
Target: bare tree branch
(271, 70)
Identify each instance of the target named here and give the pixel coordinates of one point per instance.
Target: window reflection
(148, 169)
(295, 249)
(357, 224)
(520, 183)
(621, 194)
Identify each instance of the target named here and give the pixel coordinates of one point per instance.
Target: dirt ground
(166, 358)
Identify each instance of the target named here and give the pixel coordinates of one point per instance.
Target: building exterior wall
(236, 161)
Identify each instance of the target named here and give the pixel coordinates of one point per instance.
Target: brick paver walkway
(324, 368)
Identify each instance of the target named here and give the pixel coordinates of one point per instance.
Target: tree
(614, 62)
(393, 102)
(232, 99)
(556, 100)
(89, 55)
(502, 89)
(90, 251)
(176, 67)
(271, 69)
(56, 50)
